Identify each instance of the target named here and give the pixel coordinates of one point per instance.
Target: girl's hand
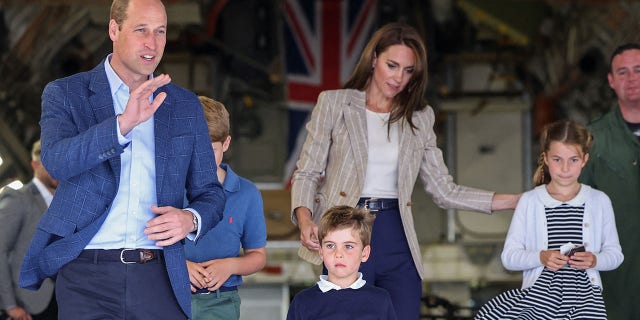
(553, 259)
(583, 260)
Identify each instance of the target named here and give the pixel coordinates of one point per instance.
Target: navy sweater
(366, 303)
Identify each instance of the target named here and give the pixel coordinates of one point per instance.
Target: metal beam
(15, 156)
(75, 2)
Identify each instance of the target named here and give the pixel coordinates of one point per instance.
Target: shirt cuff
(194, 235)
(122, 140)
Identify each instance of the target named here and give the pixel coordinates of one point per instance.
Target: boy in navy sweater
(344, 235)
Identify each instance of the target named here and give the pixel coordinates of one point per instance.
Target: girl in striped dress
(557, 213)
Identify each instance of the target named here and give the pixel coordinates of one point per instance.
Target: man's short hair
(621, 49)
(347, 217)
(119, 11)
(36, 151)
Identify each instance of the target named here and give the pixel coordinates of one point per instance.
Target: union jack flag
(323, 41)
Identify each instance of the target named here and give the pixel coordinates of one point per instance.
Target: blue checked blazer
(80, 148)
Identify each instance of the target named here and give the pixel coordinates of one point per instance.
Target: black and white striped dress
(563, 294)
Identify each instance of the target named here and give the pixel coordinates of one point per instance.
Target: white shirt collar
(114, 80)
(325, 285)
(46, 194)
(549, 201)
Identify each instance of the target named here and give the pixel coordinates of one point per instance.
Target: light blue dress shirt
(131, 207)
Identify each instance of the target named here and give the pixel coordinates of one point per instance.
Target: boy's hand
(220, 271)
(198, 276)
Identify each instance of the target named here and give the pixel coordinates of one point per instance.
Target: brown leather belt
(126, 256)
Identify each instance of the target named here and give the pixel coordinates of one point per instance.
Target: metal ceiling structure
(43, 40)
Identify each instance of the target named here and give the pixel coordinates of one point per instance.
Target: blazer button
(586, 244)
(409, 204)
(586, 225)
(343, 194)
(316, 200)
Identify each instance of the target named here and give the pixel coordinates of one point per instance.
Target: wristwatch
(195, 222)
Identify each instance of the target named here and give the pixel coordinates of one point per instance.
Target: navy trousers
(390, 265)
(92, 289)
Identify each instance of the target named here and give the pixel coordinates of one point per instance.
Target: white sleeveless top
(381, 179)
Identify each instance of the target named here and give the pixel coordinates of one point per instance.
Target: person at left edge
(20, 212)
(125, 145)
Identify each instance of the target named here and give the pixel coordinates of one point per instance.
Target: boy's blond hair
(217, 118)
(343, 217)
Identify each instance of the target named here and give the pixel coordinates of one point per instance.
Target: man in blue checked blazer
(125, 146)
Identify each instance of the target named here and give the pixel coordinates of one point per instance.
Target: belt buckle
(366, 205)
(146, 255)
(122, 256)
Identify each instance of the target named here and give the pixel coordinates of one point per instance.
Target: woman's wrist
(302, 214)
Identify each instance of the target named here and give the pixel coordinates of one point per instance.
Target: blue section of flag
(323, 40)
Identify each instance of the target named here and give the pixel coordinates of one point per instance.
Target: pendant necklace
(384, 118)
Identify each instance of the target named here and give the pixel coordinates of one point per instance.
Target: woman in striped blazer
(366, 145)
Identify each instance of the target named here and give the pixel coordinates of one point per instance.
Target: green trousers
(216, 305)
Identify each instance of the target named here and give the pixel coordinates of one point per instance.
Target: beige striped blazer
(332, 165)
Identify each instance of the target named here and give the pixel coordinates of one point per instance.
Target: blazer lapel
(404, 156)
(161, 120)
(355, 118)
(101, 102)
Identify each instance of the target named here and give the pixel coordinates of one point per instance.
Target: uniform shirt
(614, 168)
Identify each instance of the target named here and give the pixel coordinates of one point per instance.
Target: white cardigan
(528, 234)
